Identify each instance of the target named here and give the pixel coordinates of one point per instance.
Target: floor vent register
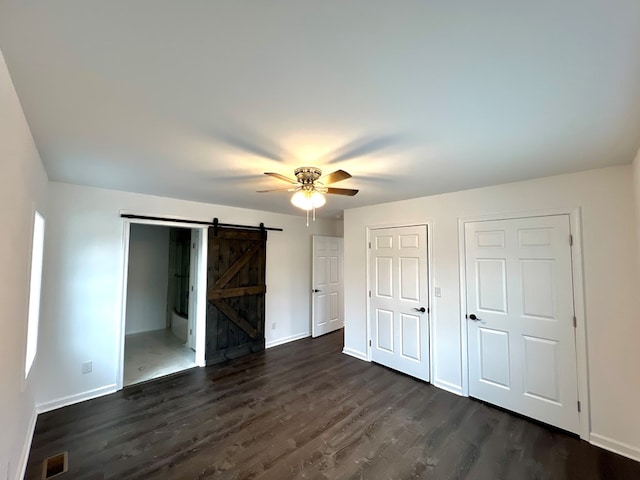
(54, 466)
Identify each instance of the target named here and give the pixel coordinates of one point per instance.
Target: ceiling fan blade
(276, 190)
(336, 176)
(281, 177)
(342, 191)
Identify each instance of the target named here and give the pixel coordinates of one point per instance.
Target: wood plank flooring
(305, 410)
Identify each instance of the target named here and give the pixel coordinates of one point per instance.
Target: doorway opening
(160, 327)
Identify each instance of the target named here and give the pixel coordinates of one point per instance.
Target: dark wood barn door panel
(235, 293)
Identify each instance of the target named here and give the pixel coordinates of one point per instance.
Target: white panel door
(327, 298)
(399, 299)
(521, 335)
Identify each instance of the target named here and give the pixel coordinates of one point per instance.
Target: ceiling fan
(308, 182)
(309, 188)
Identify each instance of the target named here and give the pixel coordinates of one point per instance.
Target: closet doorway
(160, 321)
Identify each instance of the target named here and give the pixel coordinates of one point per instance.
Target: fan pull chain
(313, 217)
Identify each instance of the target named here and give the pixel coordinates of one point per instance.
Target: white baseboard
(615, 446)
(356, 354)
(26, 447)
(291, 338)
(449, 387)
(77, 398)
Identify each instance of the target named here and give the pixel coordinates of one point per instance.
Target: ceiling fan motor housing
(307, 175)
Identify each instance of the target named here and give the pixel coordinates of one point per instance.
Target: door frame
(194, 255)
(577, 276)
(428, 224)
(201, 282)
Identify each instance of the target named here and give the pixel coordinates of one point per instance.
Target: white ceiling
(195, 99)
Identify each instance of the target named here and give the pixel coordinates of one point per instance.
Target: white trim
(356, 354)
(579, 310)
(462, 272)
(578, 302)
(448, 386)
(615, 446)
(283, 340)
(431, 306)
(367, 309)
(126, 233)
(26, 447)
(313, 286)
(520, 214)
(76, 398)
(428, 224)
(201, 296)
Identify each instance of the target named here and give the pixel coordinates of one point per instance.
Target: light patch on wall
(34, 291)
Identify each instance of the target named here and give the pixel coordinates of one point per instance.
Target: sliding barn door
(235, 293)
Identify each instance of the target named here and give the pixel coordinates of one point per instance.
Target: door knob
(473, 317)
(315, 290)
(421, 309)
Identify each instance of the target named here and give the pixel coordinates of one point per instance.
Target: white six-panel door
(399, 299)
(520, 317)
(327, 295)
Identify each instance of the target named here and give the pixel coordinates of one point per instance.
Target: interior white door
(399, 294)
(520, 318)
(327, 297)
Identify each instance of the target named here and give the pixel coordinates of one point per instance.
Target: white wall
(148, 279)
(23, 187)
(83, 281)
(610, 270)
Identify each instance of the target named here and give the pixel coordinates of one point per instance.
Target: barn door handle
(315, 290)
(421, 309)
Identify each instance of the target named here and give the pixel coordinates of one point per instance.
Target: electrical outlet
(87, 367)
(273, 326)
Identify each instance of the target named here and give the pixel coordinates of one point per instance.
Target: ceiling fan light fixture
(308, 199)
(309, 190)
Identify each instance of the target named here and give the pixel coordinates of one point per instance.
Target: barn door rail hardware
(215, 223)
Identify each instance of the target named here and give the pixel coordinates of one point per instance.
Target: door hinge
(369, 244)
(579, 407)
(570, 240)
(369, 342)
(369, 293)
(194, 245)
(575, 322)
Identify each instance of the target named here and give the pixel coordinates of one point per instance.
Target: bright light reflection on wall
(34, 291)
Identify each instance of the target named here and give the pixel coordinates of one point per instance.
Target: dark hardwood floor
(305, 410)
